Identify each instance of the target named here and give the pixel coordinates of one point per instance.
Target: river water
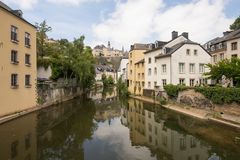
(106, 128)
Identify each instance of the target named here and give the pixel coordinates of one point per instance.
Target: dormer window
(156, 44)
(220, 45)
(213, 48)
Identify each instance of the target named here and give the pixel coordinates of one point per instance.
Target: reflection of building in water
(165, 142)
(101, 95)
(136, 122)
(124, 117)
(18, 138)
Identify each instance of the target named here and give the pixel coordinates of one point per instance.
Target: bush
(220, 95)
(122, 89)
(172, 90)
(162, 100)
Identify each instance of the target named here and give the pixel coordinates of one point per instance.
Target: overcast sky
(124, 22)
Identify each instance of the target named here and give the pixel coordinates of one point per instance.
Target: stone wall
(194, 99)
(49, 95)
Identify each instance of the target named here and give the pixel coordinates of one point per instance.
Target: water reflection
(109, 129)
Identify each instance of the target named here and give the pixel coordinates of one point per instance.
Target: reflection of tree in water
(65, 140)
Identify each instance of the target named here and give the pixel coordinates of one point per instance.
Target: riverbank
(230, 120)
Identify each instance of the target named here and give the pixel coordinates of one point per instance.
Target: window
(149, 127)
(27, 141)
(188, 52)
(149, 60)
(130, 72)
(27, 59)
(221, 56)
(143, 84)
(181, 68)
(234, 56)
(14, 149)
(138, 75)
(195, 52)
(150, 139)
(155, 70)
(14, 57)
(131, 62)
(27, 80)
(234, 46)
(215, 58)
(142, 75)
(14, 34)
(164, 82)
(192, 82)
(182, 143)
(164, 68)
(181, 81)
(130, 55)
(201, 68)
(192, 68)
(27, 39)
(149, 71)
(14, 80)
(149, 84)
(193, 142)
(155, 130)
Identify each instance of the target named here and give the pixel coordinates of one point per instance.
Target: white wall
(160, 74)
(153, 77)
(231, 52)
(44, 73)
(180, 57)
(122, 69)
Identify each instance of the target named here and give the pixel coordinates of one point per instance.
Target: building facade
(225, 47)
(17, 62)
(122, 70)
(179, 61)
(136, 54)
(140, 77)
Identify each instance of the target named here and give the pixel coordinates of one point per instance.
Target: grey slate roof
(170, 51)
(231, 35)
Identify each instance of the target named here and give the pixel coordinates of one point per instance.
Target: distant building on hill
(103, 51)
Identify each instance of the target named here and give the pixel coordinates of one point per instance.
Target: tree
(42, 30)
(236, 25)
(228, 67)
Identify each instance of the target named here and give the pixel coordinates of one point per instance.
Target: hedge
(217, 95)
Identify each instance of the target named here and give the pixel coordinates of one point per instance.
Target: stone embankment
(196, 105)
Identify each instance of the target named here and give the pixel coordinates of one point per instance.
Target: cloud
(141, 20)
(23, 4)
(71, 2)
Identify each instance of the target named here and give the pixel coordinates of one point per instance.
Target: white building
(104, 70)
(122, 71)
(179, 61)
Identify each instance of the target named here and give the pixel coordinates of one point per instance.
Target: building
(104, 70)
(17, 62)
(140, 77)
(102, 50)
(227, 46)
(135, 55)
(179, 61)
(122, 70)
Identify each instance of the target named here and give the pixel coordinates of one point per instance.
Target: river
(106, 128)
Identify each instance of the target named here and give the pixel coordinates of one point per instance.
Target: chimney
(174, 35)
(226, 33)
(185, 34)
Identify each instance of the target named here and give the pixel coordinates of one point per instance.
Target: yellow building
(17, 62)
(140, 80)
(136, 54)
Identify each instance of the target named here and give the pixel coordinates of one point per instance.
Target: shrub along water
(217, 95)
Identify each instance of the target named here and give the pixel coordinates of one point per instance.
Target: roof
(141, 61)
(16, 13)
(160, 45)
(139, 46)
(228, 36)
(99, 47)
(102, 68)
(173, 49)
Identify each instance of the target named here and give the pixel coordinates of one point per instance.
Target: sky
(124, 22)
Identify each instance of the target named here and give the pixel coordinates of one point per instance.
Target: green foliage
(172, 90)
(67, 59)
(229, 68)
(236, 25)
(220, 95)
(122, 89)
(42, 30)
(107, 81)
(162, 100)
